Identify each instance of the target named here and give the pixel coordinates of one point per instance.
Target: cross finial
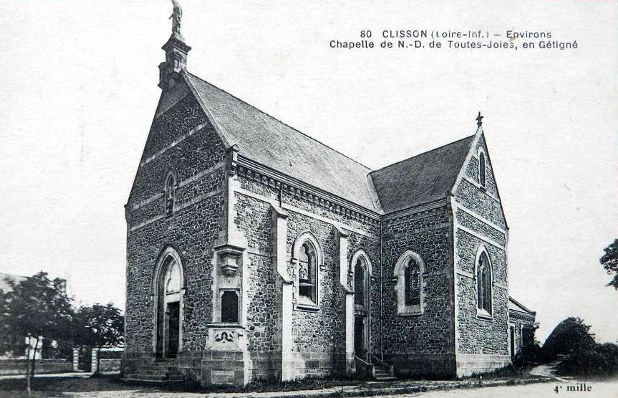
(479, 120)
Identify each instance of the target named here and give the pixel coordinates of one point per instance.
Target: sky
(78, 91)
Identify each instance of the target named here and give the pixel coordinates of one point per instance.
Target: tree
(98, 326)
(35, 308)
(568, 336)
(610, 262)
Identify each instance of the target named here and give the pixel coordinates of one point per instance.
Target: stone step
(389, 378)
(382, 374)
(152, 378)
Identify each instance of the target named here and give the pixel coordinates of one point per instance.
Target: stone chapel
(256, 252)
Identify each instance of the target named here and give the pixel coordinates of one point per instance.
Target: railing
(364, 368)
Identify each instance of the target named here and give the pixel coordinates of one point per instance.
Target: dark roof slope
(422, 178)
(517, 306)
(264, 139)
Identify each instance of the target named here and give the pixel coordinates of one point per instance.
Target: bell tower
(176, 51)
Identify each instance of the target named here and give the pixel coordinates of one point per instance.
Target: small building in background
(521, 327)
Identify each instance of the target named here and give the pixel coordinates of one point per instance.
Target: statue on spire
(176, 18)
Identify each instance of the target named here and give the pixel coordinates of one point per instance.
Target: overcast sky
(78, 91)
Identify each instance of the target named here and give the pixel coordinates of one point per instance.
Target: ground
(540, 390)
(539, 382)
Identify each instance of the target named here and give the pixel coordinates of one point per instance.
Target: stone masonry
(255, 252)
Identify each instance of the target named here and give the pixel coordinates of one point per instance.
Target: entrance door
(361, 309)
(169, 303)
(173, 327)
(359, 336)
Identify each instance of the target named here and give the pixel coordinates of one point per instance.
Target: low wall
(11, 366)
(109, 365)
(471, 364)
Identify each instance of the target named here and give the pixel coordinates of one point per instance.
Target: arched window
(307, 259)
(168, 288)
(482, 169)
(361, 267)
(170, 194)
(483, 283)
(307, 272)
(360, 282)
(412, 283)
(409, 283)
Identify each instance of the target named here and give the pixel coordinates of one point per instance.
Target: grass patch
(54, 386)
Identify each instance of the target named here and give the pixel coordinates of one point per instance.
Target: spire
(176, 51)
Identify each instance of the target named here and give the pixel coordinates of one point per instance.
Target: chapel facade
(256, 252)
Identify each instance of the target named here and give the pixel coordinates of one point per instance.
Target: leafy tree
(599, 362)
(569, 336)
(35, 308)
(610, 262)
(98, 326)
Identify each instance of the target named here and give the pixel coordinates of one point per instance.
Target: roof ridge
(284, 123)
(423, 153)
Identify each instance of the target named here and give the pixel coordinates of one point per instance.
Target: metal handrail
(362, 361)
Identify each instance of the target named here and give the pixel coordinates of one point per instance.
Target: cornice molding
(267, 176)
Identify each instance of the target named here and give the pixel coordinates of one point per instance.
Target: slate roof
(422, 178)
(272, 143)
(515, 305)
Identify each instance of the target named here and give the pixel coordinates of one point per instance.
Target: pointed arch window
(307, 260)
(360, 282)
(482, 169)
(170, 194)
(409, 283)
(483, 284)
(307, 272)
(412, 283)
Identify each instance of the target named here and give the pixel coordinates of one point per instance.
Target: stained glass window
(359, 282)
(483, 280)
(307, 272)
(170, 194)
(482, 171)
(412, 283)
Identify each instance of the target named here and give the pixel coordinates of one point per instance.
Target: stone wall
(318, 335)
(254, 219)
(482, 339)
(182, 141)
(420, 344)
(446, 338)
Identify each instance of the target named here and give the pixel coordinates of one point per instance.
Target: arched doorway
(169, 289)
(362, 278)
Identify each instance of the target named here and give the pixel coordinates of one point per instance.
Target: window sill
(482, 314)
(225, 325)
(410, 314)
(411, 310)
(306, 305)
